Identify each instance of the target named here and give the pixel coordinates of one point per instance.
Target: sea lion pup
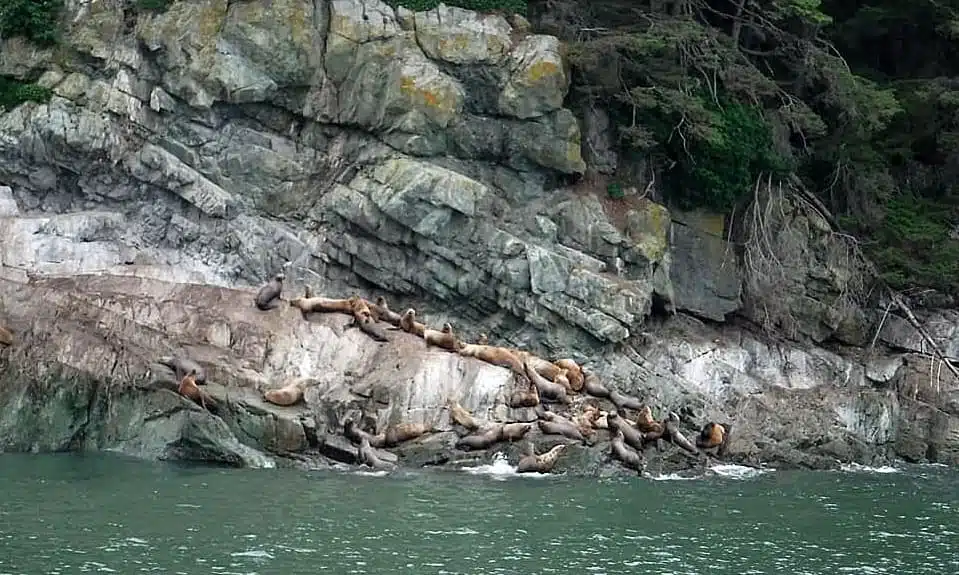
(515, 431)
(6, 336)
(184, 365)
(462, 416)
(495, 355)
(676, 436)
(593, 386)
(552, 424)
(532, 463)
(188, 388)
(356, 435)
(625, 453)
(481, 439)
(287, 395)
(367, 456)
(483, 339)
(383, 311)
(270, 292)
(444, 339)
(529, 398)
(409, 324)
(623, 401)
(396, 434)
(545, 387)
(631, 435)
(574, 373)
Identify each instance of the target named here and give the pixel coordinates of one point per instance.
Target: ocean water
(62, 514)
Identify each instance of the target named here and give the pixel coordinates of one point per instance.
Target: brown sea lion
(528, 398)
(645, 422)
(409, 324)
(494, 355)
(713, 435)
(360, 309)
(322, 305)
(444, 339)
(532, 463)
(676, 436)
(481, 439)
(462, 416)
(546, 388)
(593, 386)
(561, 379)
(596, 418)
(625, 453)
(623, 401)
(552, 424)
(372, 329)
(352, 432)
(574, 373)
(545, 368)
(188, 388)
(631, 435)
(6, 336)
(383, 311)
(396, 434)
(584, 421)
(182, 365)
(287, 395)
(270, 292)
(368, 457)
(515, 431)
(483, 339)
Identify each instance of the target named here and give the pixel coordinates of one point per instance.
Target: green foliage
(152, 5)
(615, 191)
(14, 93)
(511, 6)
(33, 19)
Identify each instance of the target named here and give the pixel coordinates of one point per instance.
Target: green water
(62, 514)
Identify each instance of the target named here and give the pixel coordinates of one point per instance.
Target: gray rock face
(189, 156)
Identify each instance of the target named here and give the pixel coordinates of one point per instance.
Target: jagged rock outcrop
(426, 154)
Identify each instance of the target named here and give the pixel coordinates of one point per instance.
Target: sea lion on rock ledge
(554, 391)
(266, 298)
(367, 456)
(184, 365)
(409, 324)
(382, 310)
(529, 398)
(189, 389)
(356, 435)
(493, 355)
(593, 386)
(481, 439)
(444, 339)
(574, 373)
(676, 436)
(553, 424)
(532, 463)
(6, 336)
(624, 453)
(287, 395)
(460, 415)
(401, 432)
(714, 435)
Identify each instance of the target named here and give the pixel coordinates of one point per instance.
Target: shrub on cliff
(33, 19)
(511, 6)
(13, 93)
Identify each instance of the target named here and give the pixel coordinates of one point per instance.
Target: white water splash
(500, 469)
(857, 468)
(674, 477)
(380, 473)
(739, 471)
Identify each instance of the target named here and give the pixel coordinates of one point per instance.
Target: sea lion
(287, 395)
(515, 431)
(6, 336)
(444, 339)
(409, 324)
(713, 435)
(495, 355)
(645, 422)
(552, 424)
(307, 291)
(460, 415)
(676, 436)
(270, 292)
(360, 309)
(370, 328)
(623, 401)
(396, 434)
(545, 368)
(352, 432)
(574, 373)
(182, 366)
(545, 387)
(483, 339)
(188, 388)
(322, 305)
(383, 311)
(625, 453)
(584, 421)
(368, 457)
(593, 386)
(561, 379)
(529, 398)
(631, 435)
(532, 463)
(481, 439)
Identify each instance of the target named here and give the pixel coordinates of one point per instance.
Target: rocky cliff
(186, 156)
